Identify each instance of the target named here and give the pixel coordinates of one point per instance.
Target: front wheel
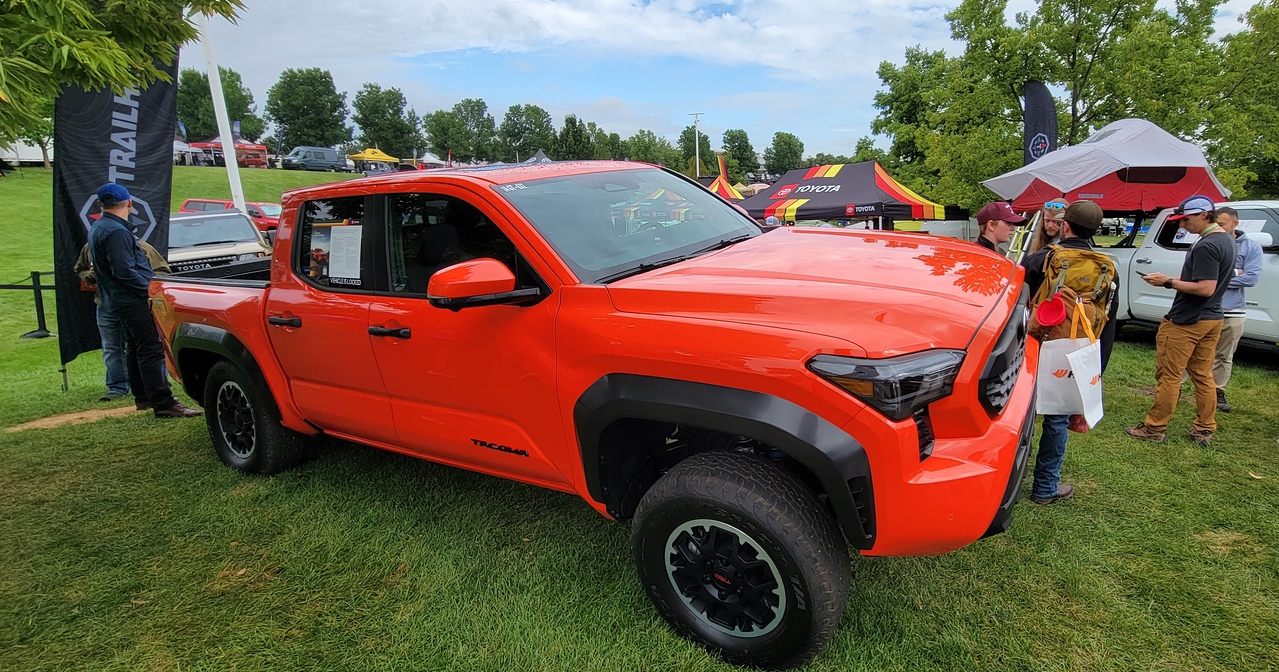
(245, 433)
(742, 558)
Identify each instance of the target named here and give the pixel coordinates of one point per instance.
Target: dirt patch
(78, 418)
(1226, 541)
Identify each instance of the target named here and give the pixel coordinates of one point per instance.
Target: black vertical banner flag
(1041, 122)
(102, 137)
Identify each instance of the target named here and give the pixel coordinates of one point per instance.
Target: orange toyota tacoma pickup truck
(754, 401)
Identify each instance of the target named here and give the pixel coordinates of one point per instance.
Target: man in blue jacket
(123, 275)
(1247, 273)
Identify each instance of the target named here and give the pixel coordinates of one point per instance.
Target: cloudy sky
(801, 66)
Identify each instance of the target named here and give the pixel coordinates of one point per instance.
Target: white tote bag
(1069, 381)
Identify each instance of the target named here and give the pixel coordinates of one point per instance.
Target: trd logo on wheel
(500, 448)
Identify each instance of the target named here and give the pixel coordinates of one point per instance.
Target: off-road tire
(245, 432)
(785, 525)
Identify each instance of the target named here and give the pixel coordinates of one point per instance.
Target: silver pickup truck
(1164, 249)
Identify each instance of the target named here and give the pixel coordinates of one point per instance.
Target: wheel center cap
(723, 578)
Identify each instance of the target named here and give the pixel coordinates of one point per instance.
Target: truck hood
(179, 254)
(887, 293)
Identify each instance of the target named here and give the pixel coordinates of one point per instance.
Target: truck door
(1262, 300)
(318, 319)
(1163, 251)
(476, 387)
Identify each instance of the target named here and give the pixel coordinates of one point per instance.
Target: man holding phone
(1188, 335)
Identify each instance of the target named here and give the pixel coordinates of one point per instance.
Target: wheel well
(635, 453)
(194, 365)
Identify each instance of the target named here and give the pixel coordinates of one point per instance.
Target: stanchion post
(42, 330)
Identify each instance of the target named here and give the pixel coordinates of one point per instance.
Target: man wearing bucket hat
(1188, 335)
(1079, 224)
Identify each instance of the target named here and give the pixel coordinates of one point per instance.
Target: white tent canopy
(1127, 143)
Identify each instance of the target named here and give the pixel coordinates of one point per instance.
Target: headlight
(897, 386)
(251, 255)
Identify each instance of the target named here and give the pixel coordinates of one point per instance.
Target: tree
(524, 130)
(1242, 135)
(307, 109)
(574, 141)
(384, 123)
(786, 153)
(649, 147)
(48, 44)
(737, 144)
(195, 105)
(447, 136)
(703, 145)
(39, 133)
(479, 131)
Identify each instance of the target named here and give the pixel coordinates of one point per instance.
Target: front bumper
(1012, 493)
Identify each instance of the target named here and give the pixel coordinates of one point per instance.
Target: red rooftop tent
(1129, 166)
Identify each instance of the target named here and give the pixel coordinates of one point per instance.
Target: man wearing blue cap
(123, 275)
(1188, 335)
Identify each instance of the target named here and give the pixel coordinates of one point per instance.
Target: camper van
(314, 158)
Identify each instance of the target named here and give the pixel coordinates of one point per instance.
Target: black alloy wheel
(726, 578)
(244, 423)
(235, 420)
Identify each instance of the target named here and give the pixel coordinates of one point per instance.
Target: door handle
(1143, 261)
(401, 332)
(282, 321)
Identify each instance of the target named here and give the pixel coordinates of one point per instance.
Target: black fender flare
(834, 457)
(190, 336)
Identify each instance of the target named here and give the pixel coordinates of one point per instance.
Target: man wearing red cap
(1188, 335)
(998, 222)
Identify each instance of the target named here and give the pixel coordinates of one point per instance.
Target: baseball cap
(999, 210)
(112, 193)
(1084, 217)
(772, 221)
(1194, 205)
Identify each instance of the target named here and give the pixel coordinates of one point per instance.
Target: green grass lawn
(126, 545)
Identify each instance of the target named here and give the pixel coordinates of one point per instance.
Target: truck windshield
(609, 225)
(211, 230)
(270, 209)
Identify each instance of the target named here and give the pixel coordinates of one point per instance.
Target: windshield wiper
(651, 265)
(217, 242)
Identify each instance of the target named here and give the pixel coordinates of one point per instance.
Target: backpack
(1085, 279)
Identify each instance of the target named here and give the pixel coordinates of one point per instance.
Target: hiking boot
(1221, 401)
(1201, 437)
(111, 396)
(1064, 491)
(177, 410)
(1145, 433)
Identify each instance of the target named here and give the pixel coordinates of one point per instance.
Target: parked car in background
(1164, 250)
(265, 215)
(315, 158)
(203, 240)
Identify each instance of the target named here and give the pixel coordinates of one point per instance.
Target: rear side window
(1259, 221)
(330, 248)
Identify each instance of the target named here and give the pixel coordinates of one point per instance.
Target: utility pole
(697, 144)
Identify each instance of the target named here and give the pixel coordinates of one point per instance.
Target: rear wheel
(245, 433)
(742, 558)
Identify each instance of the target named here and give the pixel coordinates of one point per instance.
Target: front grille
(1000, 374)
(924, 428)
(194, 264)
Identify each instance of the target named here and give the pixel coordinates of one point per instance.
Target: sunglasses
(1054, 206)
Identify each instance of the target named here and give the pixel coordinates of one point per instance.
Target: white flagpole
(219, 110)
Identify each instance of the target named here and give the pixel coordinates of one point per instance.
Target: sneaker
(1064, 491)
(1221, 401)
(1145, 433)
(111, 396)
(1201, 437)
(177, 410)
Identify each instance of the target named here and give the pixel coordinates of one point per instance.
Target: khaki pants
(1189, 348)
(1231, 332)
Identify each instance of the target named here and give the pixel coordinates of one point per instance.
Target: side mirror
(1265, 240)
(479, 282)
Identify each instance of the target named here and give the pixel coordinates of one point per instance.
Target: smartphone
(1140, 273)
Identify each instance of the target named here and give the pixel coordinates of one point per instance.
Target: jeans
(111, 330)
(1052, 451)
(145, 355)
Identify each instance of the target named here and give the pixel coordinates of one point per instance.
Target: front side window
(218, 229)
(608, 225)
(271, 209)
(330, 248)
(429, 232)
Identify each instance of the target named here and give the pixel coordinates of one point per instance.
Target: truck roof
(488, 175)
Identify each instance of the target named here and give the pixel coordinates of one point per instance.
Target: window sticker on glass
(512, 187)
(344, 255)
(1251, 225)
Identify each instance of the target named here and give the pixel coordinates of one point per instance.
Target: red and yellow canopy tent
(722, 186)
(842, 191)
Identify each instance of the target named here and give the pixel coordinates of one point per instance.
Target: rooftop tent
(539, 157)
(1128, 166)
(248, 154)
(839, 191)
(372, 154)
(721, 186)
